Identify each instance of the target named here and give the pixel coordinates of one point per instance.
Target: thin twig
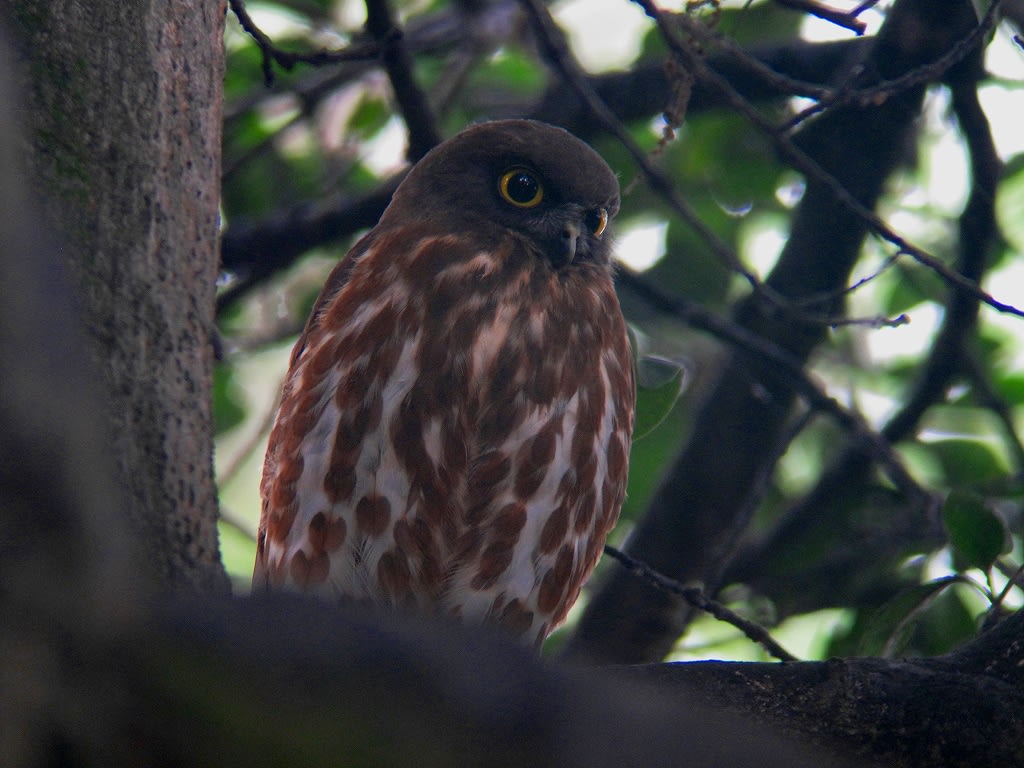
(788, 368)
(845, 19)
(855, 286)
(252, 443)
(926, 73)
(287, 60)
(802, 162)
(558, 54)
(876, 322)
(808, 166)
(784, 84)
(1014, 579)
(695, 597)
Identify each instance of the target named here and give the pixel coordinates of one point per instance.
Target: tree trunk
(124, 114)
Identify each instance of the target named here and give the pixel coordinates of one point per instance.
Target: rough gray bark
(124, 128)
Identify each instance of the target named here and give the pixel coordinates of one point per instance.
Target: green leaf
(659, 384)
(909, 287)
(228, 411)
(975, 533)
(509, 70)
(967, 461)
(1011, 388)
(889, 628)
(371, 115)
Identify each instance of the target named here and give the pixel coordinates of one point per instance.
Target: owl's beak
(570, 239)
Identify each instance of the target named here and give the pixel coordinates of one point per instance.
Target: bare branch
(696, 597)
(802, 162)
(419, 118)
(287, 60)
(926, 73)
(845, 19)
(557, 53)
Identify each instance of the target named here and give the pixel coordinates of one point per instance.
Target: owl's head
(523, 176)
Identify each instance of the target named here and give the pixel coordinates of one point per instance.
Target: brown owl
(454, 431)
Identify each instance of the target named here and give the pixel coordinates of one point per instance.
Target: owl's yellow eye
(521, 187)
(597, 221)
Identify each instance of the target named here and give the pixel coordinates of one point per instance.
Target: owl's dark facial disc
(522, 177)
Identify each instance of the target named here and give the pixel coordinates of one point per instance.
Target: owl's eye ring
(597, 221)
(521, 187)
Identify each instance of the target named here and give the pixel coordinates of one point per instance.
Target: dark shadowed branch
(961, 710)
(690, 529)
(254, 251)
(288, 59)
(854, 547)
(412, 102)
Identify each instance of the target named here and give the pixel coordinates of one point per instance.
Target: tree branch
(961, 710)
(799, 154)
(696, 597)
(255, 251)
(689, 529)
(287, 60)
(845, 19)
(851, 545)
(419, 118)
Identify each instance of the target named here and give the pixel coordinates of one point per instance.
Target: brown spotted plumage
(454, 431)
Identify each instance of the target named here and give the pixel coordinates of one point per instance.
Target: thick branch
(288, 682)
(255, 251)
(962, 710)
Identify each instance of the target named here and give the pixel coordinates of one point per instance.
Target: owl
(454, 430)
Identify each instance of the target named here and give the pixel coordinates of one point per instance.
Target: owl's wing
(335, 477)
(336, 280)
(283, 465)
